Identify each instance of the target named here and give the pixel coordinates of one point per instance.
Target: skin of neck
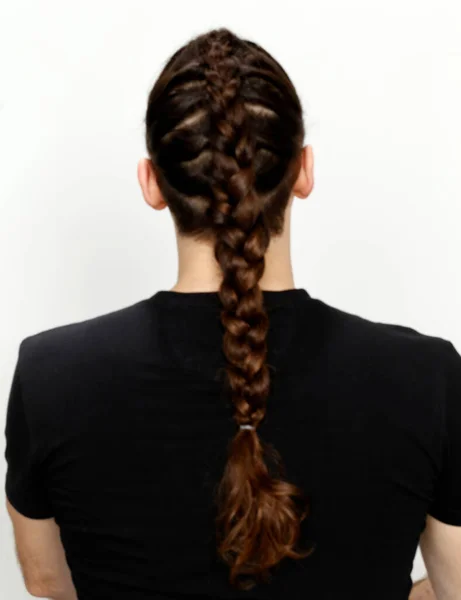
(198, 270)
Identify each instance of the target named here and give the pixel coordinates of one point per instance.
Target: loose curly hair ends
(224, 132)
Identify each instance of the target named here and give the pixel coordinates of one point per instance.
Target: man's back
(129, 430)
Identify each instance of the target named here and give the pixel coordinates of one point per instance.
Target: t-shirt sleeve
(446, 503)
(25, 483)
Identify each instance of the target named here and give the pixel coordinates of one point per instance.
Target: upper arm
(25, 482)
(440, 546)
(40, 553)
(38, 544)
(440, 541)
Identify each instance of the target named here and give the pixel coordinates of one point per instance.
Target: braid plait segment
(242, 238)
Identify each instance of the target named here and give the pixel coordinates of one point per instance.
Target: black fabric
(117, 427)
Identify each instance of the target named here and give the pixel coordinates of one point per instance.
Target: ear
(148, 182)
(305, 181)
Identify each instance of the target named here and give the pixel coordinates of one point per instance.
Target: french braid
(224, 131)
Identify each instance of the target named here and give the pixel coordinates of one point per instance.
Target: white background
(379, 236)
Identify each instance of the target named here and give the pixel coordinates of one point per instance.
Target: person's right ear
(305, 181)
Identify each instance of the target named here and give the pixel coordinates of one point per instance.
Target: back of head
(224, 132)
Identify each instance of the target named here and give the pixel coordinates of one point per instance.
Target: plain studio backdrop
(379, 236)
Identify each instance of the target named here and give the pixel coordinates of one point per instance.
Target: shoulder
(356, 336)
(81, 342)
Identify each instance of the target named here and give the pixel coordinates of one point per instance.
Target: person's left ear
(148, 182)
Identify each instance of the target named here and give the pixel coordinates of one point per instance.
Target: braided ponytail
(226, 153)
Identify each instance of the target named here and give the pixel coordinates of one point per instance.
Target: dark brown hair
(224, 132)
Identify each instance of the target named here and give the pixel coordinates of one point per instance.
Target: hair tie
(247, 427)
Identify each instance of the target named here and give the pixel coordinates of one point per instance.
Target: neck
(198, 270)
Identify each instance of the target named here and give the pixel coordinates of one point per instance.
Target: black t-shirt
(117, 427)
